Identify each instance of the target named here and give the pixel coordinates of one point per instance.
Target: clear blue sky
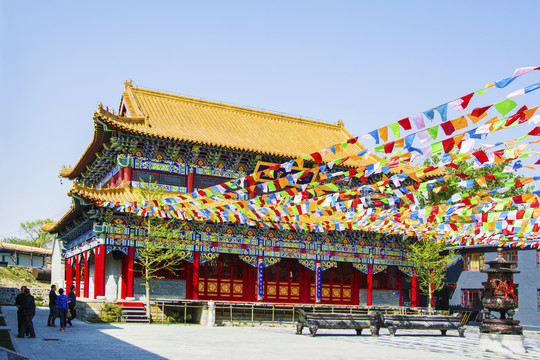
(367, 63)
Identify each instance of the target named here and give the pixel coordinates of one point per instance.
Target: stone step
(145, 321)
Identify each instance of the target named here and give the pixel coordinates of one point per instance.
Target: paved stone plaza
(135, 341)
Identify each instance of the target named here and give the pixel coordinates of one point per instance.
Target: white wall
(58, 271)
(113, 272)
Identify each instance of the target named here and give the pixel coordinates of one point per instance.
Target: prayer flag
(430, 114)
(442, 110)
(375, 135)
(448, 128)
(505, 106)
(479, 111)
(395, 129)
(383, 133)
(419, 121)
(405, 124)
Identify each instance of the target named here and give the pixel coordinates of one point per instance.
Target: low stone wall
(8, 295)
(89, 309)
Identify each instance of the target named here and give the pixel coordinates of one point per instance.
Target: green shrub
(39, 301)
(110, 312)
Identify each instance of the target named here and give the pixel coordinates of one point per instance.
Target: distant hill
(17, 276)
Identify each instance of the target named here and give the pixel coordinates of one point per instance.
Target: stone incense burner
(500, 296)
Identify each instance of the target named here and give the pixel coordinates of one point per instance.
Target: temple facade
(184, 145)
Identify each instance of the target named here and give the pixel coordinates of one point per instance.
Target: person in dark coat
(28, 313)
(72, 305)
(19, 302)
(53, 308)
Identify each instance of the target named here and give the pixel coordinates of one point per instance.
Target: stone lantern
(503, 334)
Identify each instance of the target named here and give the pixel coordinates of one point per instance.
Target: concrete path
(134, 341)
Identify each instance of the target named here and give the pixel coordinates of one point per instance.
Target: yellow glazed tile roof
(180, 118)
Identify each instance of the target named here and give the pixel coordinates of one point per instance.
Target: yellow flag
(530, 112)
(460, 123)
(482, 182)
(383, 133)
(476, 119)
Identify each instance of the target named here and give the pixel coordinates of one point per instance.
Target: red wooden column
(69, 273)
(123, 278)
(86, 291)
(414, 290)
(78, 275)
(432, 297)
(369, 299)
(99, 271)
(190, 181)
(130, 274)
(195, 278)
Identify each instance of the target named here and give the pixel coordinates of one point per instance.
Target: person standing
(72, 305)
(28, 313)
(19, 302)
(62, 303)
(53, 308)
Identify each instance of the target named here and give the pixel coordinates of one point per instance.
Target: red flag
(388, 147)
(535, 131)
(481, 156)
(353, 140)
(466, 99)
(317, 157)
(448, 145)
(518, 199)
(479, 111)
(405, 124)
(448, 128)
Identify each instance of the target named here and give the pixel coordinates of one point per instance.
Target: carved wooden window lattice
(511, 255)
(472, 298)
(473, 262)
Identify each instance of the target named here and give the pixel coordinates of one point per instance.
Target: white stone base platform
(501, 343)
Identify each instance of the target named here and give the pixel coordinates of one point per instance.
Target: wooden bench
(315, 321)
(424, 322)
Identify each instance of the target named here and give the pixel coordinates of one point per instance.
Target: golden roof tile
(181, 118)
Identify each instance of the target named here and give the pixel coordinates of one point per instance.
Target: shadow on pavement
(82, 341)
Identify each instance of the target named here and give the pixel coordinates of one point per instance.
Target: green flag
(395, 129)
(433, 132)
(505, 106)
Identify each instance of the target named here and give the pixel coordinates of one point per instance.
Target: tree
(33, 235)
(159, 250)
(450, 186)
(431, 262)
